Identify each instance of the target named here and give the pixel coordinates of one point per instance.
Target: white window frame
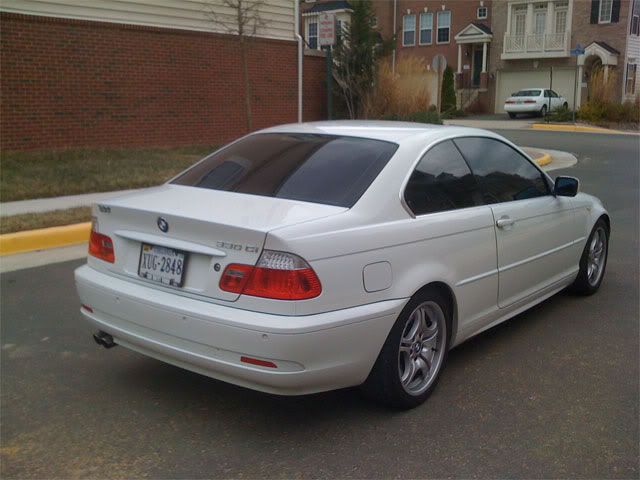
(560, 9)
(420, 29)
(448, 27)
(601, 10)
(312, 22)
(633, 79)
(405, 31)
(635, 18)
(518, 11)
(486, 13)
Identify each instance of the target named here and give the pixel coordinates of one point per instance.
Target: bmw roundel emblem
(163, 225)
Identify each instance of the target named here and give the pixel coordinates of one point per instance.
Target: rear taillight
(101, 246)
(277, 275)
(509, 101)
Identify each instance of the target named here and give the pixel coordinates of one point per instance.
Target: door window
(503, 173)
(442, 181)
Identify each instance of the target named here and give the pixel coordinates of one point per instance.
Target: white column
(548, 27)
(509, 19)
(484, 57)
(459, 58)
(606, 72)
(529, 23)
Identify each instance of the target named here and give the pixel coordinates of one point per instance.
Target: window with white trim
(630, 85)
(312, 35)
(481, 13)
(426, 28)
(409, 30)
(635, 18)
(444, 26)
(560, 21)
(606, 6)
(519, 20)
(539, 19)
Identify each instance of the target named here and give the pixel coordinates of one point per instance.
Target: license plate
(161, 264)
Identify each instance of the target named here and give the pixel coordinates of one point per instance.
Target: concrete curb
(543, 160)
(43, 238)
(572, 128)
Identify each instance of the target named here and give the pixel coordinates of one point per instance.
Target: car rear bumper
(521, 108)
(312, 353)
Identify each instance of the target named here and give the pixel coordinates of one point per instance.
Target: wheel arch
(449, 294)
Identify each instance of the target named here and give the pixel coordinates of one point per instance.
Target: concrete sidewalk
(57, 203)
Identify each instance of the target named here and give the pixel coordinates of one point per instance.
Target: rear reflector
(87, 308)
(101, 246)
(257, 361)
(277, 275)
(529, 101)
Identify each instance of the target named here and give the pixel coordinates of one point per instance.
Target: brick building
(497, 47)
(152, 73)
(533, 39)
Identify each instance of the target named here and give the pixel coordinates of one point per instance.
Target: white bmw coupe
(311, 257)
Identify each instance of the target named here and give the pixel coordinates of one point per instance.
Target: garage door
(512, 81)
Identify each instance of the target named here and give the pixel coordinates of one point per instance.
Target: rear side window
(503, 173)
(441, 181)
(527, 93)
(328, 169)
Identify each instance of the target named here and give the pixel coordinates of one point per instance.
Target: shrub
(400, 94)
(560, 114)
(448, 91)
(602, 107)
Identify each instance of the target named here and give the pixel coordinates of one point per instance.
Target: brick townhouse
(144, 73)
(533, 39)
(499, 46)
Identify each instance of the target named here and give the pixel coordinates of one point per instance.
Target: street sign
(439, 63)
(326, 30)
(579, 50)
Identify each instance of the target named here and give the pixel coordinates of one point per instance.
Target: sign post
(439, 63)
(576, 52)
(326, 40)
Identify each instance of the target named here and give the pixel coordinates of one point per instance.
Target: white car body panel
(552, 103)
(371, 259)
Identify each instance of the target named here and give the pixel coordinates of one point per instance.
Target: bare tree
(243, 20)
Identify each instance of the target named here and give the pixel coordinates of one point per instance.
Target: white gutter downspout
(300, 54)
(395, 40)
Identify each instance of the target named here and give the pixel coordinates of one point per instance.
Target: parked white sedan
(317, 256)
(534, 100)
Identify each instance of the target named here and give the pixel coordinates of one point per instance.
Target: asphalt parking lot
(552, 393)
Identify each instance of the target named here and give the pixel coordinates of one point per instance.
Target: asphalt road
(551, 393)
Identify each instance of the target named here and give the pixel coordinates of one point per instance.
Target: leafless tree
(244, 21)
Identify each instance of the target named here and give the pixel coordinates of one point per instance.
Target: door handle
(505, 222)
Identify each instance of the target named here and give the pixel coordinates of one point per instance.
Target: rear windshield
(527, 93)
(328, 169)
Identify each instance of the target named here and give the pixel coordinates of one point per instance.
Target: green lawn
(40, 174)
(55, 218)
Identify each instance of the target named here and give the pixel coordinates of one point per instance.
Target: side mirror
(566, 187)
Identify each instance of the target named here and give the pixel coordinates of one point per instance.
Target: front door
(477, 67)
(535, 230)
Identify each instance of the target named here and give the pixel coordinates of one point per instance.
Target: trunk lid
(212, 228)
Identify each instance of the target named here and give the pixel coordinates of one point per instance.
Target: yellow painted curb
(543, 160)
(571, 128)
(42, 238)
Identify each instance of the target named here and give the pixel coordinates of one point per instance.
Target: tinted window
(327, 169)
(503, 173)
(441, 181)
(527, 93)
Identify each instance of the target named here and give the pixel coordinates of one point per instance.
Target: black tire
(565, 105)
(543, 111)
(512, 115)
(384, 383)
(584, 284)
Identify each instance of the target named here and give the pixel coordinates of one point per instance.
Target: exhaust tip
(104, 339)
